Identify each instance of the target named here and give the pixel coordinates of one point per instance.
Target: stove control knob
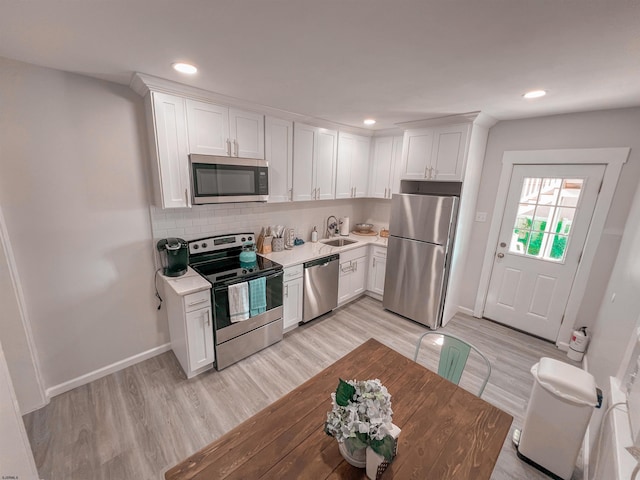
(250, 238)
(195, 247)
(204, 245)
(243, 239)
(244, 270)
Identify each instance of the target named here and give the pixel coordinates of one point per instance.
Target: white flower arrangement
(361, 416)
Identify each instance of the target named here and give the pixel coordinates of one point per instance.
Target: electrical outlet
(481, 216)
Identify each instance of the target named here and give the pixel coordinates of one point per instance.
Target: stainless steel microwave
(228, 179)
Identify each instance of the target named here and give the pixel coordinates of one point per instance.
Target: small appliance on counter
(174, 255)
(344, 226)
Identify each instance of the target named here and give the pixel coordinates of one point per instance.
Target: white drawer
(195, 301)
(353, 254)
(378, 251)
(291, 273)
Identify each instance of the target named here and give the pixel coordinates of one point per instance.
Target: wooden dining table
(447, 433)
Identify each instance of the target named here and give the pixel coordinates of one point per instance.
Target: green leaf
(354, 443)
(344, 393)
(384, 447)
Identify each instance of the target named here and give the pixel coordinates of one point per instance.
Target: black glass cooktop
(230, 269)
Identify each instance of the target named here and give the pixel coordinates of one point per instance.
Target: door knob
(501, 255)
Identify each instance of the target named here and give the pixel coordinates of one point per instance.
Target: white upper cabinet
(449, 152)
(228, 132)
(325, 164)
(353, 165)
(416, 153)
(208, 128)
(314, 157)
(304, 150)
(385, 167)
(246, 131)
(167, 123)
(435, 153)
(279, 154)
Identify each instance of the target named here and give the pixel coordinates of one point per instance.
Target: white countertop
(310, 251)
(190, 282)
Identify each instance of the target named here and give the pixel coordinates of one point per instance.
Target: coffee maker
(175, 256)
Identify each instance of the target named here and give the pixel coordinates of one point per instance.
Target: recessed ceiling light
(535, 94)
(185, 68)
(369, 121)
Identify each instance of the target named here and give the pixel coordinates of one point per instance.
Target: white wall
(16, 458)
(15, 333)
(617, 318)
(607, 128)
(73, 171)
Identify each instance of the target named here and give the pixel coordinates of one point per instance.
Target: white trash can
(560, 407)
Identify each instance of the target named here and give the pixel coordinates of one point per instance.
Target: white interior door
(544, 227)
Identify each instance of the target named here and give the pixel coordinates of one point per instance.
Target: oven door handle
(224, 286)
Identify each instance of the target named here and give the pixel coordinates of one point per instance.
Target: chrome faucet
(332, 228)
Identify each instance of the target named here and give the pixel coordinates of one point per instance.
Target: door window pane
(545, 213)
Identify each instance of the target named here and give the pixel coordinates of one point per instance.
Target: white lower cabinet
(293, 296)
(353, 274)
(191, 329)
(377, 269)
(200, 338)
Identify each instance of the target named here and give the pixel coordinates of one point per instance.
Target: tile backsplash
(208, 220)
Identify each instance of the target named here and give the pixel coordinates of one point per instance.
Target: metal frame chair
(453, 358)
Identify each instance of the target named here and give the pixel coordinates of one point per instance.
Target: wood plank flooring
(140, 421)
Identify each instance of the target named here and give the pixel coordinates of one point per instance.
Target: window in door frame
(613, 159)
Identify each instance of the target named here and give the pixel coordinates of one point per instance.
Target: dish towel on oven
(238, 302)
(258, 296)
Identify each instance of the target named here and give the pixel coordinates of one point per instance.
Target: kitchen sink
(339, 242)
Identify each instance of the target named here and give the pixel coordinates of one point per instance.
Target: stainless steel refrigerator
(421, 231)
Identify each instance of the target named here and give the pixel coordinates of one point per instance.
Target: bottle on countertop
(314, 235)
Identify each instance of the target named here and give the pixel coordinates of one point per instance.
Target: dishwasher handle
(321, 262)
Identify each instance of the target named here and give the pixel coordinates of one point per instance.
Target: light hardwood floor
(138, 422)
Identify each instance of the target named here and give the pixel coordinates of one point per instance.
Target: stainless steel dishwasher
(320, 286)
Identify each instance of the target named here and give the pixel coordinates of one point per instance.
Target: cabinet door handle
(291, 194)
(186, 196)
(236, 146)
(198, 302)
(313, 194)
(355, 267)
(318, 194)
(434, 174)
(228, 147)
(286, 291)
(374, 262)
(208, 314)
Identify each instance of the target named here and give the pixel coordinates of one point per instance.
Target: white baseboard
(371, 294)
(465, 310)
(104, 371)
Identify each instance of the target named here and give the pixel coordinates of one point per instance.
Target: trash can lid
(566, 381)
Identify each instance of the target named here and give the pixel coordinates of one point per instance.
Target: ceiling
(344, 60)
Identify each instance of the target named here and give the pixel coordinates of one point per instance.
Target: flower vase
(376, 464)
(357, 458)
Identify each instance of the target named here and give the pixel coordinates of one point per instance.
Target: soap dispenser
(314, 235)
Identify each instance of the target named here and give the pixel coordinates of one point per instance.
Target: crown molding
(143, 84)
(469, 117)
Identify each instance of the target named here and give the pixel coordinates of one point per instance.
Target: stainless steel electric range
(217, 259)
